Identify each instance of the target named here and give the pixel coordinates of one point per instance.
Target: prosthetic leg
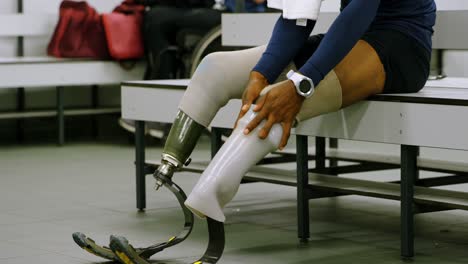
(182, 139)
(221, 179)
(210, 88)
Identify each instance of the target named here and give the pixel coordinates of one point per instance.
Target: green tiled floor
(47, 193)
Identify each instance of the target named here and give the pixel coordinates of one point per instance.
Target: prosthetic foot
(121, 250)
(127, 254)
(89, 245)
(221, 179)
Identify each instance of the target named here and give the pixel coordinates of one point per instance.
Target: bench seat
(47, 71)
(36, 72)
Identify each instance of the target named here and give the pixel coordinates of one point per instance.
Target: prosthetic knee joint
(180, 143)
(221, 179)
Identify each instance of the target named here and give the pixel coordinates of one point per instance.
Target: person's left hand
(280, 105)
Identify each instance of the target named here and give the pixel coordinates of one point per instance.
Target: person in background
(163, 22)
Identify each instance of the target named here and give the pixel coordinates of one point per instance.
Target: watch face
(305, 86)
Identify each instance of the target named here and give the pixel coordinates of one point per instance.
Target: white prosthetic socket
(221, 179)
(221, 76)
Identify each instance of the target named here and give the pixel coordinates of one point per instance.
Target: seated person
(373, 46)
(163, 22)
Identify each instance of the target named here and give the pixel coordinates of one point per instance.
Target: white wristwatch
(304, 85)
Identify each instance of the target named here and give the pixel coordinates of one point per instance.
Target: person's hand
(258, 2)
(257, 82)
(280, 105)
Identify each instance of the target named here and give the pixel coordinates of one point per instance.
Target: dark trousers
(161, 28)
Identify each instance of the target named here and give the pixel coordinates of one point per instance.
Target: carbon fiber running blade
(89, 245)
(215, 244)
(128, 255)
(143, 253)
(125, 252)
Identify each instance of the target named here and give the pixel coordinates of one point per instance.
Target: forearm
(286, 41)
(344, 33)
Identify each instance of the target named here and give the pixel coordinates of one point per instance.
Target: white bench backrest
(451, 31)
(14, 25)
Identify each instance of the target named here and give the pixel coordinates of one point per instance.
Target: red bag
(79, 33)
(123, 31)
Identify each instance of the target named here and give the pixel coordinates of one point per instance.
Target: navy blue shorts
(406, 62)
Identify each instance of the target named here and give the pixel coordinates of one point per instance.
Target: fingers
(244, 108)
(254, 123)
(246, 103)
(286, 133)
(238, 118)
(260, 103)
(266, 128)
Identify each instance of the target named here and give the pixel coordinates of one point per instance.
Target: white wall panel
(7, 49)
(36, 46)
(7, 6)
(7, 45)
(330, 5)
(50, 6)
(455, 63)
(452, 4)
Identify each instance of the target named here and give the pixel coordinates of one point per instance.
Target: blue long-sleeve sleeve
(344, 33)
(286, 41)
(288, 38)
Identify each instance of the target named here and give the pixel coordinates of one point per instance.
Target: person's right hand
(257, 82)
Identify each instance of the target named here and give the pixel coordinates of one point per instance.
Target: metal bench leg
(320, 153)
(60, 117)
(140, 165)
(409, 172)
(333, 145)
(302, 185)
(216, 140)
(20, 92)
(20, 106)
(94, 104)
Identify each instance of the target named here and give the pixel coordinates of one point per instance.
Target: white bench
(409, 120)
(32, 72)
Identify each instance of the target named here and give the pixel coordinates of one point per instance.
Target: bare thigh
(361, 74)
